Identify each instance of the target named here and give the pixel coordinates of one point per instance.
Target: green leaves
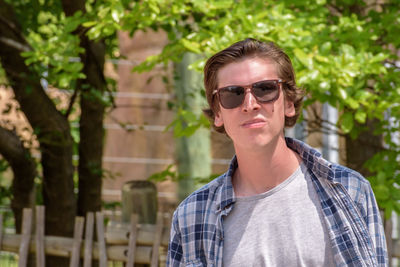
(305, 59)
(386, 180)
(169, 173)
(55, 49)
(347, 122)
(104, 19)
(191, 46)
(186, 123)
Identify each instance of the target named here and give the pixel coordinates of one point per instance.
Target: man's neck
(260, 170)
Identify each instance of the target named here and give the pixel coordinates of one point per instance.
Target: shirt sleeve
(175, 253)
(375, 227)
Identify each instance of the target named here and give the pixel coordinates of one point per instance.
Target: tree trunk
(91, 130)
(24, 170)
(91, 119)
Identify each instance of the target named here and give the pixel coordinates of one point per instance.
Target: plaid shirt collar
(308, 154)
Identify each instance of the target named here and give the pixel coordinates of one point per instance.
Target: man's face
(252, 125)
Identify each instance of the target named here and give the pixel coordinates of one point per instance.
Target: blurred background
(97, 94)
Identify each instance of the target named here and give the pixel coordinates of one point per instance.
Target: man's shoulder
(354, 183)
(203, 198)
(349, 178)
(323, 168)
(357, 187)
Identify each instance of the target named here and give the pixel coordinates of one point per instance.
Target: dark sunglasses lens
(231, 96)
(266, 91)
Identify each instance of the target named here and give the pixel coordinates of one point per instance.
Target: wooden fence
(131, 243)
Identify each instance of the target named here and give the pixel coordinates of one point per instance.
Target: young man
(280, 203)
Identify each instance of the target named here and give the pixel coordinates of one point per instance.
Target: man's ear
(218, 121)
(290, 110)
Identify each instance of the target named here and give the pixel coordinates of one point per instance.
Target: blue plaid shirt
(348, 203)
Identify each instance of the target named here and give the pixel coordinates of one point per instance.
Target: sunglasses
(232, 96)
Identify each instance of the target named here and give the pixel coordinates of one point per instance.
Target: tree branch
(12, 26)
(71, 102)
(14, 44)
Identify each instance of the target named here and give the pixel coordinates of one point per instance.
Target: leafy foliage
(5, 190)
(186, 123)
(171, 174)
(55, 50)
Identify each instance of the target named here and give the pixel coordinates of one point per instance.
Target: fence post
(132, 240)
(25, 238)
(101, 239)
(76, 245)
(87, 262)
(40, 253)
(1, 230)
(157, 240)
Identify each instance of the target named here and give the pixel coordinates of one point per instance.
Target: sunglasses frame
(250, 87)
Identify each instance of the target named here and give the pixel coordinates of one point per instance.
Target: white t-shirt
(281, 227)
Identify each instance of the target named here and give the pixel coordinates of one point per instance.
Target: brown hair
(245, 49)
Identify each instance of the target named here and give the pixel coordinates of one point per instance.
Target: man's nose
(249, 103)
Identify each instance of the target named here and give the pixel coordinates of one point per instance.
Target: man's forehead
(246, 71)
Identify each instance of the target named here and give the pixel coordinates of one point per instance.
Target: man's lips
(254, 123)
